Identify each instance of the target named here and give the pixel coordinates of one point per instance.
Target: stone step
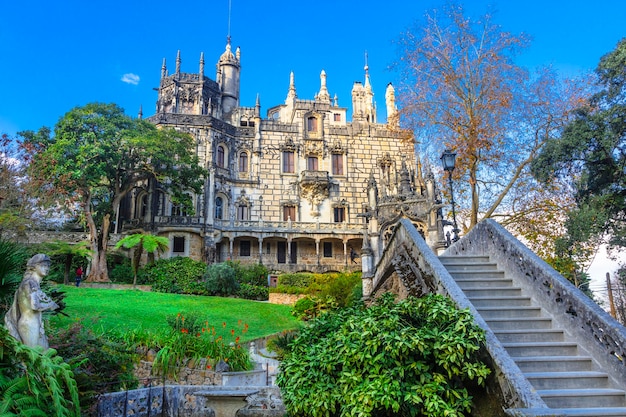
(470, 267)
(522, 323)
(585, 398)
(493, 292)
(510, 312)
(557, 363)
(567, 380)
(541, 349)
(477, 274)
(474, 282)
(537, 335)
(493, 301)
(453, 260)
(590, 412)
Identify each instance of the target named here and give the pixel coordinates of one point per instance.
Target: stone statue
(23, 320)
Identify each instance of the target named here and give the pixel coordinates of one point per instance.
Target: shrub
(13, 258)
(100, 363)
(220, 280)
(193, 342)
(178, 275)
(311, 306)
(414, 357)
(121, 273)
(253, 292)
(35, 383)
(279, 344)
(255, 274)
(300, 279)
(341, 288)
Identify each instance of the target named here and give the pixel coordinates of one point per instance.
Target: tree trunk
(99, 271)
(68, 266)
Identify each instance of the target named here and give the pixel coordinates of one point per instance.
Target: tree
(97, 156)
(142, 242)
(68, 251)
(591, 155)
(15, 207)
(461, 90)
(414, 357)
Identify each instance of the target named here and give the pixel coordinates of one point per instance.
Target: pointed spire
(163, 69)
(336, 101)
(291, 95)
(178, 62)
(140, 114)
(201, 72)
(257, 106)
(323, 93)
(368, 85)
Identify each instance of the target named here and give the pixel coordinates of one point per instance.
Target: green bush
(100, 363)
(311, 306)
(121, 273)
(341, 288)
(177, 275)
(13, 258)
(220, 280)
(253, 292)
(412, 358)
(300, 279)
(35, 383)
(255, 274)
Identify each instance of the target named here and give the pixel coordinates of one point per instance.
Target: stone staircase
(566, 378)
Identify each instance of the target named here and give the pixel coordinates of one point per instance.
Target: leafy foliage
(179, 275)
(255, 274)
(414, 358)
(100, 363)
(220, 280)
(142, 242)
(591, 155)
(13, 258)
(194, 342)
(491, 112)
(253, 292)
(97, 156)
(33, 382)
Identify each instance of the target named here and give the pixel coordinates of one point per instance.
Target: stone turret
(392, 109)
(323, 95)
(363, 108)
(228, 72)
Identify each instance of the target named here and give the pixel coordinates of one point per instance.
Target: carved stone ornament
(314, 187)
(314, 148)
(288, 145)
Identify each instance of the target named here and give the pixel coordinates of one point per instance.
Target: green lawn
(126, 310)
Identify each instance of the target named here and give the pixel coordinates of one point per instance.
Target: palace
(302, 188)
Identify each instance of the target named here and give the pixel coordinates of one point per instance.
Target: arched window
(311, 124)
(243, 162)
(220, 156)
(219, 208)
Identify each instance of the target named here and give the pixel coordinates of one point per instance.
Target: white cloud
(130, 78)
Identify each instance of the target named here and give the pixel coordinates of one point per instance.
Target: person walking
(79, 275)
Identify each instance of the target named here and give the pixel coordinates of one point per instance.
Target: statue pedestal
(224, 402)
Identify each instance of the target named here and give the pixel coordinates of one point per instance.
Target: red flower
(232, 331)
(224, 324)
(184, 331)
(208, 367)
(237, 339)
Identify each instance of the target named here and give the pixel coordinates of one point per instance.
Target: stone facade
(293, 190)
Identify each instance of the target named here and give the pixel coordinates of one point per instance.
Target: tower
(228, 71)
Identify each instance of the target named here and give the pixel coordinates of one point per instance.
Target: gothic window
(311, 163)
(143, 205)
(219, 208)
(337, 163)
(178, 245)
(244, 248)
(288, 162)
(289, 212)
(340, 214)
(311, 124)
(328, 249)
(243, 162)
(243, 212)
(221, 156)
(178, 210)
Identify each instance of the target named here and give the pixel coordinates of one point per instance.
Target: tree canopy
(461, 90)
(590, 154)
(97, 155)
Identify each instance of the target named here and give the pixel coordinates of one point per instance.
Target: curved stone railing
(409, 257)
(593, 328)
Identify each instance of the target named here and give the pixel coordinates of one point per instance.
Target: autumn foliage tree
(462, 90)
(96, 156)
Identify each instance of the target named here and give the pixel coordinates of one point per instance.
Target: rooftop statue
(23, 320)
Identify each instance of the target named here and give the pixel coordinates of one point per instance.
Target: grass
(120, 311)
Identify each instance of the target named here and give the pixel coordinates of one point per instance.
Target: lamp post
(448, 159)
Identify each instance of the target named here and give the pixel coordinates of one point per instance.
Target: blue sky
(58, 55)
